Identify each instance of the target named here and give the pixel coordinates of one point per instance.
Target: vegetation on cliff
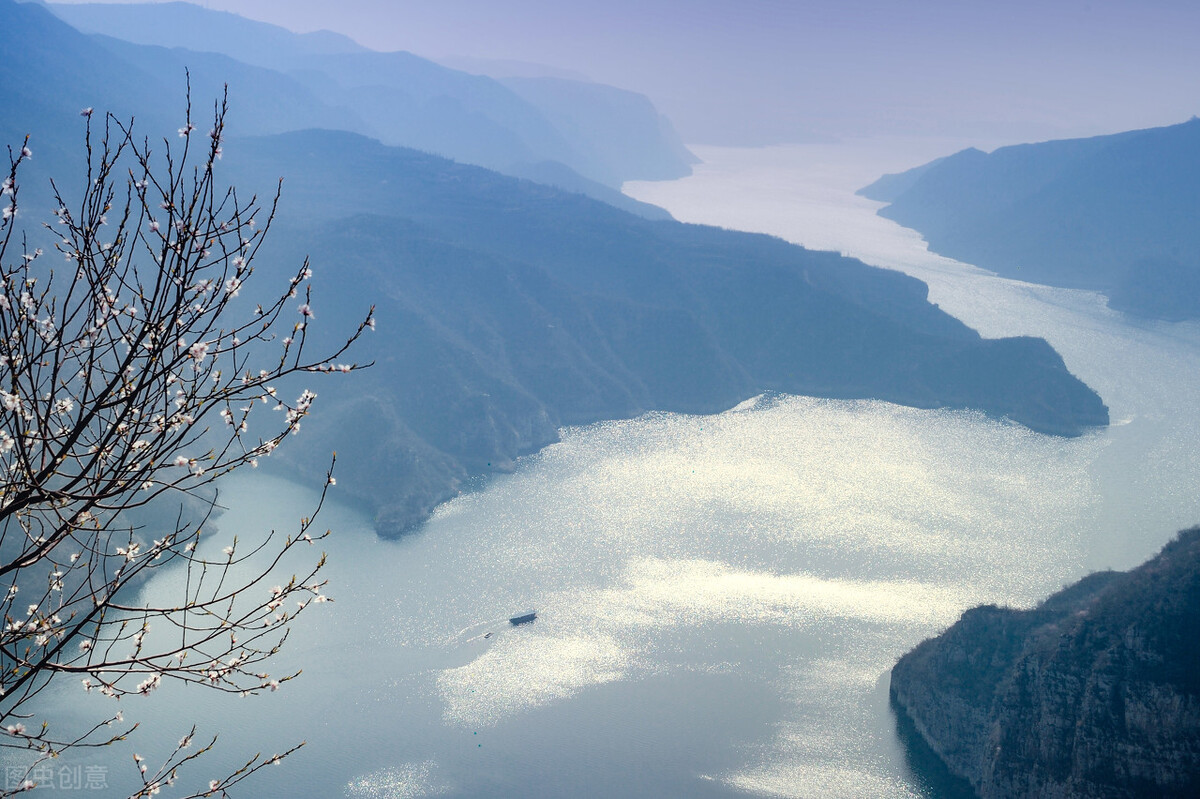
(1095, 693)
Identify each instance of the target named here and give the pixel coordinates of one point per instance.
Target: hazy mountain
(622, 128)
(263, 100)
(1092, 694)
(604, 134)
(186, 24)
(768, 71)
(508, 309)
(501, 68)
(1111, 213)
(50, 71)
(39, 97)
(889, 187)
(560, 176)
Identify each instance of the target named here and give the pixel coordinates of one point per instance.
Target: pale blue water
(719, 598)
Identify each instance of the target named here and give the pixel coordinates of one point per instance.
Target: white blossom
(198, 351)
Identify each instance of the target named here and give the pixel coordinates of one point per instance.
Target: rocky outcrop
(1095, 693)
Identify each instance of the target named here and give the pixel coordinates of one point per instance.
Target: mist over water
(719, 598)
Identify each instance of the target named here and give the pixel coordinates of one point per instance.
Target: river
(719, 598)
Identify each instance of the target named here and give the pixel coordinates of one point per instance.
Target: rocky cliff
(1095, 693)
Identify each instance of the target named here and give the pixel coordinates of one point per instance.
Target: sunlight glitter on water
(525, 671)
(545, 664)
(637, 531)
(407, 781)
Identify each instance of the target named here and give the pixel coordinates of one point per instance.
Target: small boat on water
(524, 618)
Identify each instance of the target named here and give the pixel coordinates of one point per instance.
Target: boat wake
(487, 631)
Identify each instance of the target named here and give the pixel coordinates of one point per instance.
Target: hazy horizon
(770, 71)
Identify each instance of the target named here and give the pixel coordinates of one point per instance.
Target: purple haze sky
(758, 71)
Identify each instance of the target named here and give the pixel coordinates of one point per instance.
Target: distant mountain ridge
(402, 99)
(49, 71)
(181, 24)
(1094, 694)
(621, 127)
(1115, 214)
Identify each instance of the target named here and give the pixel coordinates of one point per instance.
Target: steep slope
(1111, 213)
(511, 309)
(1093, 694)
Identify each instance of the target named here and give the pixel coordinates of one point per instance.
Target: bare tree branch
(131, 373)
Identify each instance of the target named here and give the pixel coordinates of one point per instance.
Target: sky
(772, 71)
